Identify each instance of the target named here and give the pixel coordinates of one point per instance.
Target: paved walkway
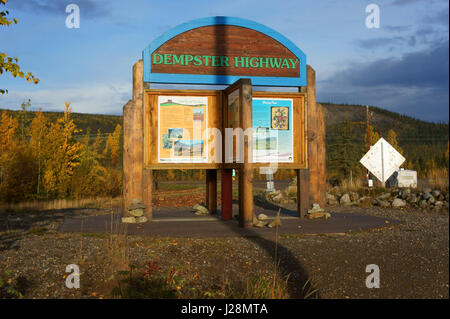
(181, 222)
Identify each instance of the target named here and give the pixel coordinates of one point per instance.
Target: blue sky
(402, 66)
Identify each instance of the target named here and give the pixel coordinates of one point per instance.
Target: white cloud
(89, 98)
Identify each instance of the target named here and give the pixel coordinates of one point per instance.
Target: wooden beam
(227, 194)
(211, 190)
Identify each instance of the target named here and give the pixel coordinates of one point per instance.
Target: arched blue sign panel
(221, 50)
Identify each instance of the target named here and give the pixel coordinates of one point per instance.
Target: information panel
(272, 130)
(182, 123)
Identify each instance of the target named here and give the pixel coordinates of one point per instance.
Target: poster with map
(182, 123)
(272, 130)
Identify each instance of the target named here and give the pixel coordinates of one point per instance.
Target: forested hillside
(423, 144)
(45, 155)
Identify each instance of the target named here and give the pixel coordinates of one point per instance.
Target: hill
(424, 144)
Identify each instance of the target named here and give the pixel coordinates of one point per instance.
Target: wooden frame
(151, 127)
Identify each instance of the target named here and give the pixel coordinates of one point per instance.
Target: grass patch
(37, 231)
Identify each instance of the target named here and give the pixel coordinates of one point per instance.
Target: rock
(129, 220)
(439, 203)
(436, 193)
(316, 215)
(263, 217)
(398, 203)
(366, 201)
(426, 195)
(315, 209)
(427, 190)
(423, 204)
(135, 201)
(201, 210)
(141, 219)
(345, 200)
(136, 206)
(136, 212)
(259, 224)
(278, 197)
(331, 200)
(383, 203)
(384, 196)
(431, 200)
(274, 223)
(354, 196)
(405, 194)
(291, 190)
(412, 199)
(436, 208)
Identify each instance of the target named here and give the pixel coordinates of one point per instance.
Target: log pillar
(134, 182)
(302, 192)
(246, 168)
(316, 143)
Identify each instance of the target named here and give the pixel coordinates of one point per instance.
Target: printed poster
(182, 123)
(272, 130)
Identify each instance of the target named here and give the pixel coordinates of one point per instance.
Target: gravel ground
(413, 257)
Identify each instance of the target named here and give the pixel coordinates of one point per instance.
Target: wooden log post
(147, 186)
(127, 123)
(302, 192)
(246, 168)
(134, 181)
(321, 197)
(316, 137)
(211, 190)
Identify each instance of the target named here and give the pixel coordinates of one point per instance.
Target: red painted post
(227, 194)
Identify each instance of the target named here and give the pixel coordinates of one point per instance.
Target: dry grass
(97, 202)
(348, 185)
(437, 179)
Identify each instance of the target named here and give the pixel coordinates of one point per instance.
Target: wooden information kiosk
(236, 128)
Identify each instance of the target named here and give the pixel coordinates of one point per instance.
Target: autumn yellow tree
(8, 126)
(62, 153)
(392, 139)
(39, 130)
(373, 136)
(16, 163)
(89, 178)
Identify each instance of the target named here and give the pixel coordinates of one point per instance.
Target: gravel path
(413, 257)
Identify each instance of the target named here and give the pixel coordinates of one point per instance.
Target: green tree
(344, 152)
(9, 64)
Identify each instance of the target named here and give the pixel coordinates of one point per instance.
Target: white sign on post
(382, 160)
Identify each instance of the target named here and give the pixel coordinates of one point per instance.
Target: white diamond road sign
(382, 160)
